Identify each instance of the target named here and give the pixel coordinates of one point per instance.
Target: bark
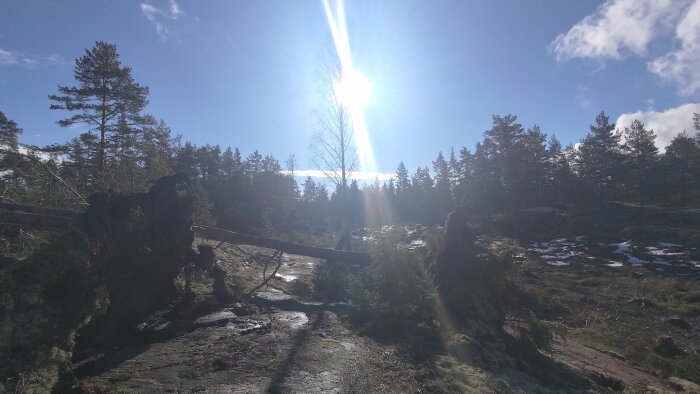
(36, 220)
(39, 210)
(287, 247)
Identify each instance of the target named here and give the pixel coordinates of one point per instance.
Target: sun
(353, 90)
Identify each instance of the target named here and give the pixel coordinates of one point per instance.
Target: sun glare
(353, 90)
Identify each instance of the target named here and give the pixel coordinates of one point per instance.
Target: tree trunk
(287, 247)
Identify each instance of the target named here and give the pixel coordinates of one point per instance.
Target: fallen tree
(36, 220)
(114, 264)
(56, 218)
(287, 247)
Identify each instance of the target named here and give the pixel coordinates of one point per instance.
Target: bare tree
(334, 153)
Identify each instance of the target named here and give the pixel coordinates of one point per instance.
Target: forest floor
(637, 306)
(291, 344)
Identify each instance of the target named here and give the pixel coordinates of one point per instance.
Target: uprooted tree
(111, 267)
(106, 272)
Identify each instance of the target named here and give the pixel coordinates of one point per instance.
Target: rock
(680, 323)
(642, 302)
(219, 319)
(667, 347)
(693, 297)
(684, 385)
(609, 382)
(242, 309)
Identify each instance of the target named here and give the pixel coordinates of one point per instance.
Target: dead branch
(81, 200)
(278, 255)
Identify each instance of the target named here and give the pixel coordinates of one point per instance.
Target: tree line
(511, 168)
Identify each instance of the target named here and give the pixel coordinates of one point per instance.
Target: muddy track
(306, 348)
(595, 363)
(294, 346)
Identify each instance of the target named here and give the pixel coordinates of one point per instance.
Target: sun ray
(353, 88)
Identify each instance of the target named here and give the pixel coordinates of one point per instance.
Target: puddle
(418, 243)
(287, 278)
(272, 294)
(290, 319)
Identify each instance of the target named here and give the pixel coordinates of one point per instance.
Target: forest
(512, 168)
(480, 262)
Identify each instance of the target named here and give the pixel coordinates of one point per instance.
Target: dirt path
(593, 362)
(307, 347)
(269, 351)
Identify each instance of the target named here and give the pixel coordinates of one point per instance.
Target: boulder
(680, 323)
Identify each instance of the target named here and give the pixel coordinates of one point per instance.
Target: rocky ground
(632, 311)
(237, 349)
(287, 343)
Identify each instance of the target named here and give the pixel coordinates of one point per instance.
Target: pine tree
(454, 168)
(558, 172)
(403, 182)
(253, 165)
(599, 158)
(107, 93)
(156, 151)
(680, 163)
(227, 165)
(186, 160)
(464, 171)
(503, 146)
(533, 171)
(8, 132)
(641, 155)
(442, 191)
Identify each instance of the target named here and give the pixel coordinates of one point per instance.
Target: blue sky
(245, 73)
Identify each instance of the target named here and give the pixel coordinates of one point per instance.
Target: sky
(246, 74)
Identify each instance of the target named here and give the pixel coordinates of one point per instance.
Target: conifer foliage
(510, 169)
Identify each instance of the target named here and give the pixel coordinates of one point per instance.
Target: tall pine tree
(106, 94)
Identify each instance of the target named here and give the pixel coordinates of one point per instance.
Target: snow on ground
(565, 251)
(287, 278)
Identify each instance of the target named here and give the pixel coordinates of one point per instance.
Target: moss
(45, 300)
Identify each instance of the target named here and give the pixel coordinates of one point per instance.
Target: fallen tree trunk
(39, 210)
(287, 247)
(36, 220)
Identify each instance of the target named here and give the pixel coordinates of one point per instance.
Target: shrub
(394, 287)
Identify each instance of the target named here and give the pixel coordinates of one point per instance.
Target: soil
(291, 344)
(314, 351)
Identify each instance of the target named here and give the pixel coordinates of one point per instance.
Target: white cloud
(583, 96)
(682, 65)
(620, 28)
(617, 28)
(7, 57)
(360, 176)
(666, 124)
(10, 58)
(159, 17)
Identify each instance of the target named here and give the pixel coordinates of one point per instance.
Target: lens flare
(353, 89)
